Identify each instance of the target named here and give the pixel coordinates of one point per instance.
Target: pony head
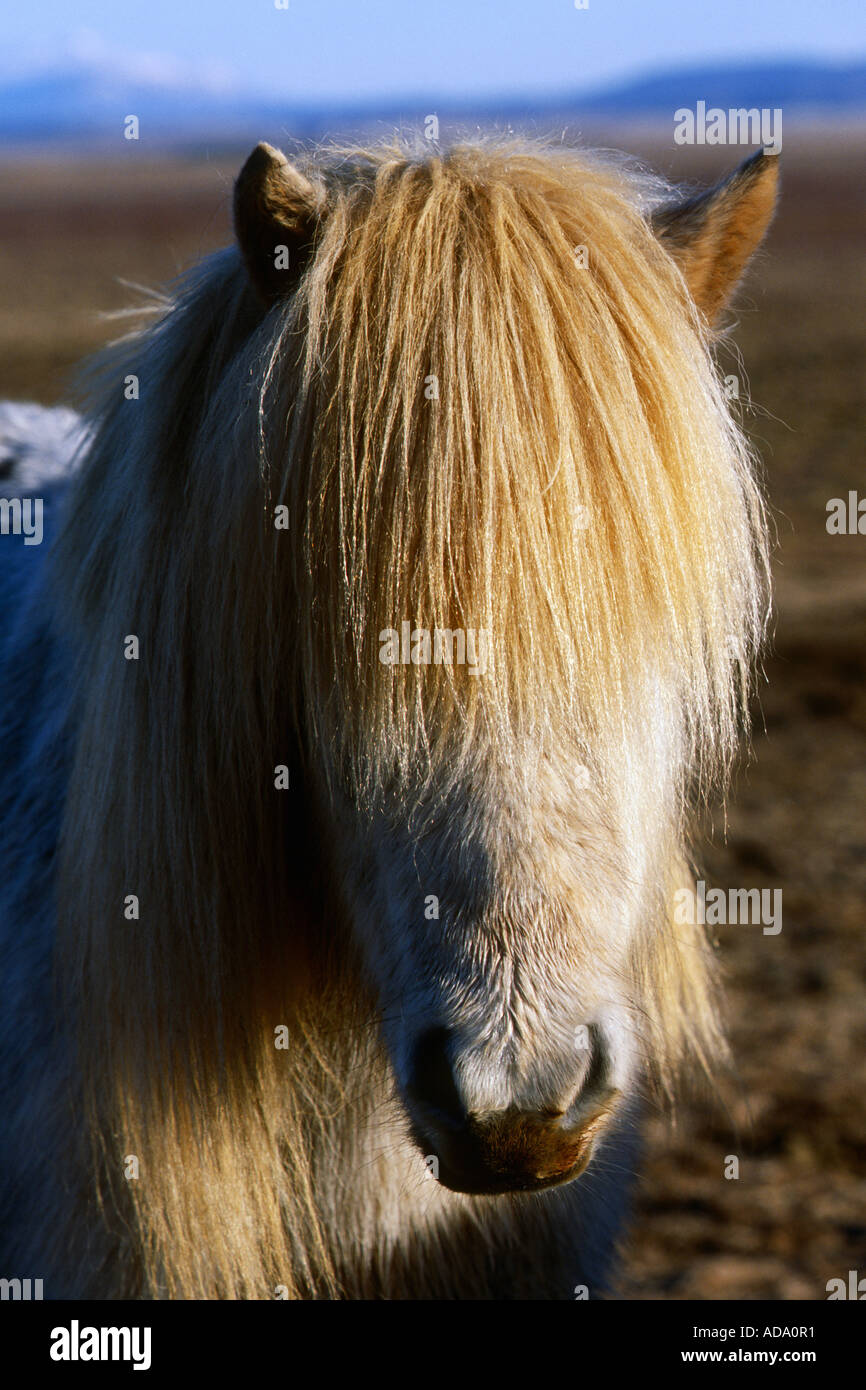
(433, 502)
(529, 583)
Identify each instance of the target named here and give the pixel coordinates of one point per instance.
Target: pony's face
(498, 925)
(472, 389)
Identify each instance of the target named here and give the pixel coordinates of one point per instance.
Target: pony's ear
(713, 235)
(277, 213)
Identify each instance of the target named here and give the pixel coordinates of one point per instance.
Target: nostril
(594, 1075)
(431, 1079)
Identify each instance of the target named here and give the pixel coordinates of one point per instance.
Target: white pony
(363, 966)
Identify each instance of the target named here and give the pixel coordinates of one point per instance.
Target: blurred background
(86, 213)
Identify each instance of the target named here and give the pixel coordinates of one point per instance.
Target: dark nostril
(596, 1071)
(431, 1079)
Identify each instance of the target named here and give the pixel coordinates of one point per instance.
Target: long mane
(572, 483)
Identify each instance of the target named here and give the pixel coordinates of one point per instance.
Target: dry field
(793, 1110)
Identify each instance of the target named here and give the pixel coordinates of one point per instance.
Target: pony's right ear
(712, 236)
(277, 212)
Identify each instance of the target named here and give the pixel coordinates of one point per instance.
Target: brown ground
(794, 1114)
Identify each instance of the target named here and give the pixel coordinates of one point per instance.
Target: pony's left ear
(712, 236)
(277, 215)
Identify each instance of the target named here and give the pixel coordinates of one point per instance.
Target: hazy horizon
(339, 52)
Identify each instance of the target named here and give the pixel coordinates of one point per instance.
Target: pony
(339, 965)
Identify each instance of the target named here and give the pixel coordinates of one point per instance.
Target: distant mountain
(795, 87)
(86, 101)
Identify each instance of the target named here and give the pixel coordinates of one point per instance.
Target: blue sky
(351, 50)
